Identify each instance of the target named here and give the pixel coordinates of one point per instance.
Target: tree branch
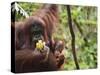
(73, 36)
(80, 30)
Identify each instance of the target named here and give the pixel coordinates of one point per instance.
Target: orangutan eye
(37, 29)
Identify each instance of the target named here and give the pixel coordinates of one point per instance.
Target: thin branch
(73, 36)
(81, 31)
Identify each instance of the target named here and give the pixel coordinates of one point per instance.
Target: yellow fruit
(40, 45)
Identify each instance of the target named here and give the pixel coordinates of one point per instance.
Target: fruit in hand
(40, 45)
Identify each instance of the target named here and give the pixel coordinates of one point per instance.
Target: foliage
(86, 17)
